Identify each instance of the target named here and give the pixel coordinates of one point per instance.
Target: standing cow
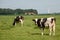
(18, 19)
(43, 22)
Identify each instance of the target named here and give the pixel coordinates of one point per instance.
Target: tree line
(8, 11)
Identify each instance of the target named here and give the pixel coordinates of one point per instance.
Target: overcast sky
(42, 6)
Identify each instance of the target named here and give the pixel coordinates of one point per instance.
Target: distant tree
(9, 11)
(19, 11)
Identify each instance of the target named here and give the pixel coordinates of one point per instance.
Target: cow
(42, 23)
(18, 19)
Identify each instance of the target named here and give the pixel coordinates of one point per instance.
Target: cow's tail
(14, 23)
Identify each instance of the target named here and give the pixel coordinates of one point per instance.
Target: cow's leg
(54, 29)
(50, 29)
(42, 28)
(42, 31)
(21, 22)
(14, 23)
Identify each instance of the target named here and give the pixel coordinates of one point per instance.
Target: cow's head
(35, 20)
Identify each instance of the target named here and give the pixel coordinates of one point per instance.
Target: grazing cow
(43, 22)
(18, 19)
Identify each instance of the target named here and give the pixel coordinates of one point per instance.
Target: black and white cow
(43, 22)
(18, 19)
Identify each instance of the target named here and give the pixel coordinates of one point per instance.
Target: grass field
(27, 32)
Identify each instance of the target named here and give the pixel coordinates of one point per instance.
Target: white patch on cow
(21, 22)
(41, 19)
(49, 19)
(19, 16)
(46, 24)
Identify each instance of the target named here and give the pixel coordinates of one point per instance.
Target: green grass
(27, 32)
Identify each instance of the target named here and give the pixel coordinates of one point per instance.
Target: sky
(42, 6)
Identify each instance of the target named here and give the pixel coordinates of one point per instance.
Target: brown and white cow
(18, 19)
(43, 22)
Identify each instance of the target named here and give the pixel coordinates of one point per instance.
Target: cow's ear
(33, 19)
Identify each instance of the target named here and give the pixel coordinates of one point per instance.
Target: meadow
(29, 31)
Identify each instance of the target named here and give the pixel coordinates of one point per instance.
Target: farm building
(29, 13)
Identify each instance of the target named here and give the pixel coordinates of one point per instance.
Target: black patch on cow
(38, 22)
(44, 20)
(41, 24)
(22, 17)
(52, 20)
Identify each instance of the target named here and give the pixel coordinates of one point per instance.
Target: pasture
(29, 31)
